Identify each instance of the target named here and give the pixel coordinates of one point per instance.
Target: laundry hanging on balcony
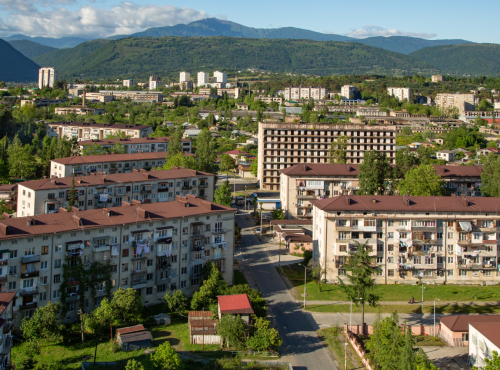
(103, 198)
(115, 250)
(465, 225)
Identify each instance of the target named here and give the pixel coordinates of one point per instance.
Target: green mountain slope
(406, 45)
(14, 66)
(63, 42)
(140, 57)
(30, 49)
(466, 59)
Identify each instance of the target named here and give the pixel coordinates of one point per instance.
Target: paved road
(301, 345)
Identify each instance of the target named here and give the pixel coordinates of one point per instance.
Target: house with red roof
(237, 304)
(455, 328)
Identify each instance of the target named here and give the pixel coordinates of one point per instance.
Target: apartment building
(184, 77)
(42, 102)
(47, 76)
(430, 239)
(80, 111)
(106, 164)
(220, 77)
(77, 258)
(93, 130)
(348, 91)
(437, 78)
(270, 99)
(139, 145)
(128, 83)
(48, 195)
(401, 93)
(6, 323)
(299, 93)
(282, 145)
(135, 96)
(463, 102)
(155, 82)
(203, 79)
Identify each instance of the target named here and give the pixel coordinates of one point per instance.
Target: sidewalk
(419, 303)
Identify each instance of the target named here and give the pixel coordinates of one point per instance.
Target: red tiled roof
(235, 304)
(200, 314)
(461, 322)
(121, 126)
(130, 329)
(84, 159)
(5, 299)
(237, 152)
(136, 336)
(291, 222)
(143, 140)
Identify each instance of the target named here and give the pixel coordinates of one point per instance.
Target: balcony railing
(28, 291)
(28, 306)
(73, 298)
(219, 231)
(3, 279)
(142, 271)
(7, 327)
(30, 259)
(29, 274)
(4, 262)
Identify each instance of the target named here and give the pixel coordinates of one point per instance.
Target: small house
(202, 328)
(455, 328)
(133, 337)
(237, 304)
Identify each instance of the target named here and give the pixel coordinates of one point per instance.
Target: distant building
(298, 93)
(463, 102)
(184, 77)
(220, 77)
(203, 79)
(93, 130)
(43, 102)
(484, 338)
(128, 83)
(437, 78)
(401, 93)
(154, 82)
(81, 111)
(455, 328)
(138, 145)
(348, 91)
(47, 76)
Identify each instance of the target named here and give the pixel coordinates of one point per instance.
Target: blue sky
(438, 19)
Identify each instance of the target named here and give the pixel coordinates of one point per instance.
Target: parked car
(258, 229)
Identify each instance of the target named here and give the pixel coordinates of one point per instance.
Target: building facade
(78, 258)
(99, 191)
(184, 77)
(6, 323)
(299, 93)
(95, 131)
(139, 145)
(106, 164)
(401, 93)
(203, 79)
(47, 76)
(128, 83)
(462, 102)
(348, 91)
(282, 145)
(429, 239)
(483, 338)
(437, 78)
(220, 77)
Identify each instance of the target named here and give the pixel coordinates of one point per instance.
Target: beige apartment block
(299, 93)
(95, 131)
(282, 145)
(437, 78)
(138, 145)
(107, 164)
(435, 240)
(463, 102)
(99, 191)
(150, 248)
(302, 184)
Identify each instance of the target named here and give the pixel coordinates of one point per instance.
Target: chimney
(465, 202)
(348, 201)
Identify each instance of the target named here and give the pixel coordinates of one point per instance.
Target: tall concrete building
(348, 91)
(401, 93)
(220, 77)
(282, 145)
(128, 83)
(462, 102)
(437, 78)
(154, 82)
(203, 78)
(299, 93)
(184, 77)
(47, 76)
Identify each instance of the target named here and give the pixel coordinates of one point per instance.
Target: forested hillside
(30, 49)
(14, 66)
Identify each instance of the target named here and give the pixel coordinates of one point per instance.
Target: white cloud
(93, 22)
(370, 31)
(17, 6)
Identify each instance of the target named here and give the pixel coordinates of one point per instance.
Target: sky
(437, 19)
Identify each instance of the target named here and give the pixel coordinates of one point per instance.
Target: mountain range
(217, 27)
(14, 66)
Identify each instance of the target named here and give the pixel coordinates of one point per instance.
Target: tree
(180, 160)
(361, 285)
(165, 357)
(118, 148)
(493, 364)
(264, 337)
(233, 331)
(405, 160)
(222, 194)
(94, 149)
(212, 287)
(22, 164)
(101, 318)
(258, 303)
(118, 135)
(205, 151)
(72, 195)
(43, 325)
(254, 168)
(176, 302)
(422, 181)
(133, 365)
(174, 144)
(490, 176)
(227, 163)
(127, 305)
(374, 173)
(278, 214)
(338, 153)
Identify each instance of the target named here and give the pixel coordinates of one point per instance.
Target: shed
(128, 330)
(237, 304)
(162, 319)
(137, 340)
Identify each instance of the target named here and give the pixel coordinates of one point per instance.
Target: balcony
(7, 327)
(424, 228)
(98, 195)
(187, 187)
(162, 189)
(138, 283)
(52, 200)
(221, 231)
(30, 259)
(138, 257)
(307, 197)
(145, 191)
(30, 274)
(203, 186)
(4, 278)
(28, 306)
(142, 271)
(73, 298)
(197, 233)
(197, 248)
(28, 291)
(120, 193)
(101, 248)
(4, 262)
(7, 346)
(470, 266)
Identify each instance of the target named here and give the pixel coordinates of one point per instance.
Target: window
(465, 337)
(149, 277)
(184, 257)
(125, 252)
(150, 262)
(13, 254)
(342, 223)
(462, 273)
(450, 235)
(124, 267)
(370, 222)
(149, 290)
(390, 223)
(429, 260)
(487, 273)
(44, 280)
(57, 278)
(183, 270)
(58, 248)
(390, 259)
(343, 248)
(440, 260)
(162, 288)
(43, 265)
(380, 248)
(417, 260)
(390, 235)
(71, 306)
(344, 235)
(440, 235)
(380, 259)
(390, 247)
(450, 259)
(450, 248)
(43, 296)
(56, 294)
(45, 249)
(57, 263)
(390, 272)
(450, 272)
(183, 283)
(342, 272)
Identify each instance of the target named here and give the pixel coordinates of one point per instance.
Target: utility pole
(203, 323)
(81, 326)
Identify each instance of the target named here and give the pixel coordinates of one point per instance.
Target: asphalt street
(301, 345)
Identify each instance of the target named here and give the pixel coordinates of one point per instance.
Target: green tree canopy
(422, 181)
(93, 149)
(233, 331)
(375, 172)
(213, 286)
(180, 160)
(164, 357)
(264, 338)
(176, 302)
(206, 151)
(227, 163)
(338, 150)
(127, 305)
(490, 177)
(222, 194)
(491, 364)
(43, 325)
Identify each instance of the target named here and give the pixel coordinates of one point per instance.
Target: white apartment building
(401, 93)
(203, 79)
(434, 239)
(220, 77)
(483, 338)
(150, 248)
(107, 164)
(128, 83)
(437, 78)
(99, 191)
(463, 102)
(138, 145)
(155, 82)
(47, 76)
(282, 145)
(184, 77)
(135, 96)
(348, 91)
(299, 93)
(95, 131)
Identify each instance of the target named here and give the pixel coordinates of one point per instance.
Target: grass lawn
(239, 278)
(427, 340)
(396, 293)
(335, 340)
(404, 308)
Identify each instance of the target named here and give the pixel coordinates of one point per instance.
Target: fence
(415, 329)
(256, 353)
(272, 363)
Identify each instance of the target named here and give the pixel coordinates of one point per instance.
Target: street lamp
(422, 283)
(435, 299)
(350, 315)
(345, 359)
(305, 283)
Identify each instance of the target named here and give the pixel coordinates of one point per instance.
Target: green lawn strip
(405, 308)
(336, 347)
(239, 278)
(393, 292)
(428, 340)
